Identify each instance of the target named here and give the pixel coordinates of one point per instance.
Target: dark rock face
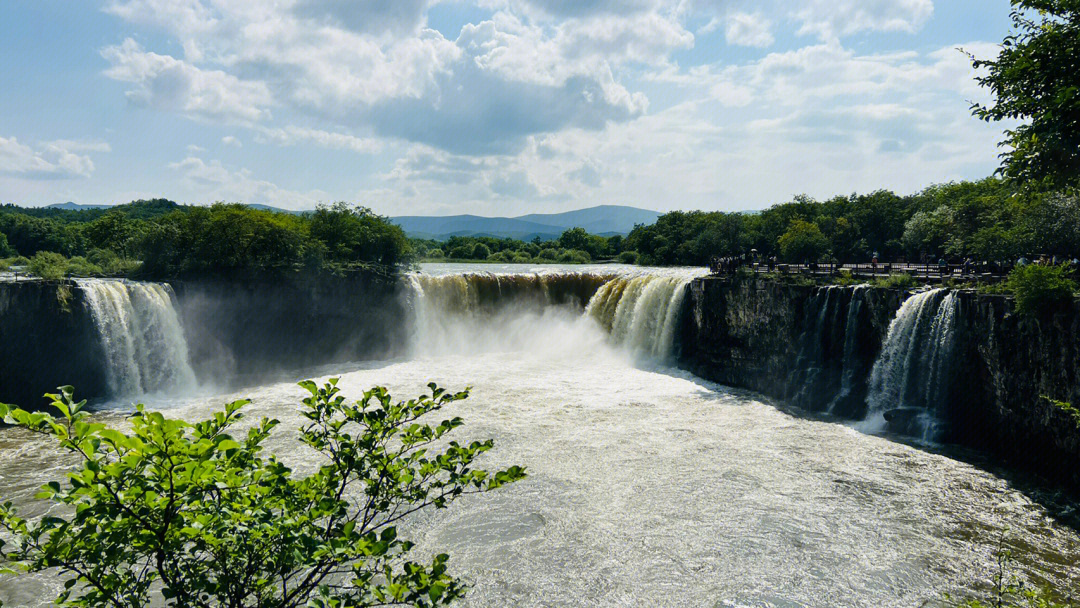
(247, 330)
(795, 344)
(46, 343)
(237, 331)
(1007, 365)
(812, 347)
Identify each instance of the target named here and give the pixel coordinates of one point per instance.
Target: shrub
(845, 278)
(198, 517)
(461, 252)
(79, 266)
(548, 253)
(436, 254)
(499, 256)
(1040, 288)
(481, 251)
(628, 257)
(521, 257)
(48, 265)
(6, 250)
(574, 256)
(896, 281)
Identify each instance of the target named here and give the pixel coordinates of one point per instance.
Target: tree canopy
(186, 514)
(1036, 79)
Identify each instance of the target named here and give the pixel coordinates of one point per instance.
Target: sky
(491, 107)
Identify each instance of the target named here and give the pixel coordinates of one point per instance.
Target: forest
(160, 238)
(987, 220)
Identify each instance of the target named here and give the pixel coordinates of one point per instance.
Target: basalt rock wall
(797, 344)
(47, 339)
(815, 348)
(251, 329)
(1009, 368)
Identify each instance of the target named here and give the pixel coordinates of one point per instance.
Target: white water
(912, 370)
(492, 311)
(851, 347)
(650, 487)
(641, 312)
(141, 335)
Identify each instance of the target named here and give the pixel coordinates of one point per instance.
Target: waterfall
(822, 319)
(850, 371)
(144, 344)
(909, 382)
(641, 313)
(478, 310)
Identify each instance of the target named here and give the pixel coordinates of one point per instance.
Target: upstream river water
(650, 487)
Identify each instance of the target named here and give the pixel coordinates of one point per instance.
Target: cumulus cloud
(212, 181)
(744, 29)
(831, 18)
(292, 135)
(545, 99)
(58, 159)
(166, 83)
(229, 140)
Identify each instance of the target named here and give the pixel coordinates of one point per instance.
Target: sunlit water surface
(650, 487)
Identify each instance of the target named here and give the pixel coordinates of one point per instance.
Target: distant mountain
(262, 207)
(70, 206)
(605, 219)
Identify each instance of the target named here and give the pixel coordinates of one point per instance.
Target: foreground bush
(183, 514)
(1008, 591)
(1040, 288)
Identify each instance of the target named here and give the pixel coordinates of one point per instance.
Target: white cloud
(52, 160)
(229, 140)
(293, 135)
(744, 29)
(831, 18)
(211, 181)
(545, 99)
(166, 83)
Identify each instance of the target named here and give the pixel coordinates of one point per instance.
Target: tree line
(160, 238)
(988, 220)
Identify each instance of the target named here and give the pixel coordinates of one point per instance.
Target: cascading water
(822, 322)
(909, 381)
(850, 372)
(143, 341)
(641, 312)
(488, 311)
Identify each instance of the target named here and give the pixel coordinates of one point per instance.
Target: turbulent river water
(648, 486)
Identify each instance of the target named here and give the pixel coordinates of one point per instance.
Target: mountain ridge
(601, 219)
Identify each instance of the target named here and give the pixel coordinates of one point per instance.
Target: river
(650, 487)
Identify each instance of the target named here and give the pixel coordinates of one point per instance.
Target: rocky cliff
(809, 346)
(47, 339)
(815, 348)
(253, 329)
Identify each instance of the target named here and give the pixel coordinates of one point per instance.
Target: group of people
(729, 264)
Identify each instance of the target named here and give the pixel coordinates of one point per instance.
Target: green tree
(191, 516)
(6, 250)
(356, 234)
(48, 265)
(574, 238)
(803, 241)
(1040, 288)
(1035, 79)
(112, 231)
(481, 252)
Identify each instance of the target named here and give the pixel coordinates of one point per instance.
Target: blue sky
(495, 107)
